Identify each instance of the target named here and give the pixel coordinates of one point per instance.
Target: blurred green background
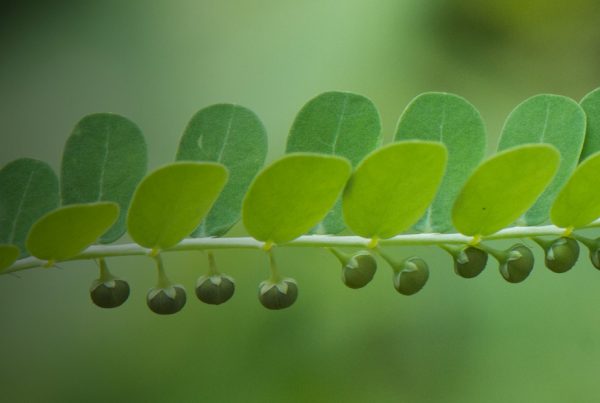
(157, 62)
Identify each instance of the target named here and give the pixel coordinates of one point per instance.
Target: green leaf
(235, 137)
(453, 121)
(8, 255)
(547, 119)
(170, 202)
(503, 188)
(64, 232)
(577, 204)
(28, 190)
(336, 123)
(104, 160)
(591, 106)
(392, 187)
(291, 195)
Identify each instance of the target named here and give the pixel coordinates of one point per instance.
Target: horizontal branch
(131, 249)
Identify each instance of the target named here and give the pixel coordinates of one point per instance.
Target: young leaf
(28, 190)
(291, 195)
(170, 202)
(8, 255)
(577, 203)
(66, 231)
(235, 137)
(392, 187)
(336, 123)
(104, 160)
(453, 121)
(591, 106)
(549, 119)
(503, 188)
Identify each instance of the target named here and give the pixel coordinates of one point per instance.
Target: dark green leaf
(28, 190)
(235, 137)
(336, 123)
(591, 106)
(453, 121)
(104, 160)
(547, 119)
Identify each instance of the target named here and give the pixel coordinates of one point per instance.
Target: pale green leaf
(8, 255)
(28, 190)
(336, 123)
(453, 121)
(591, 106)
(392, 187)
(104, 159)
(235, 137)
(503, 188)
(578, 202)
(291, 195)
(66, 231)
(170, 202)
(547, 119)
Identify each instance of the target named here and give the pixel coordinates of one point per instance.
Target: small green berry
(518, 264)
(470, 262)
(562, 254)
(359, 270)
(411, 276)
(215, 289)
(278, 295)
(166, 301)
(594, 247)
(110, 293)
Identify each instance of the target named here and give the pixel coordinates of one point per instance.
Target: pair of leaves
(336, 123)
(387, 193)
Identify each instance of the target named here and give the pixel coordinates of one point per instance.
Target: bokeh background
(158, 62)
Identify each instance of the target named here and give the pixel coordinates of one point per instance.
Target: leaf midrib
(20, 207)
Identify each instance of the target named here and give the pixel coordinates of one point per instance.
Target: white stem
(131, 249)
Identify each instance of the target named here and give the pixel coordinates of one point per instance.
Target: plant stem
(101, 251)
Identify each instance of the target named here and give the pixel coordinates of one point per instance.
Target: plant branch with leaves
(430, 186)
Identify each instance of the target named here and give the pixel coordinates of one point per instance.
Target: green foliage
(28, 190)
(336, 123)
(503, 188)
(453, 121)
(8, 255)
(547, 119)
(577, 204)
(170, 202)
(392, 187)
(292, 195)
(104, 159)
(66, 231)
(591, 105)
(235, 137)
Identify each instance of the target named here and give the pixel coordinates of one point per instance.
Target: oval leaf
(104, 159)
(453, 121)
(547, 119)
(591, 106)
(291, 195)
(28, 190)
(392, 187)
(577, 204)
(336, 123)
(503, 188)
(63, 233)
(235, 137)
(8, 255)
(170, 202)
